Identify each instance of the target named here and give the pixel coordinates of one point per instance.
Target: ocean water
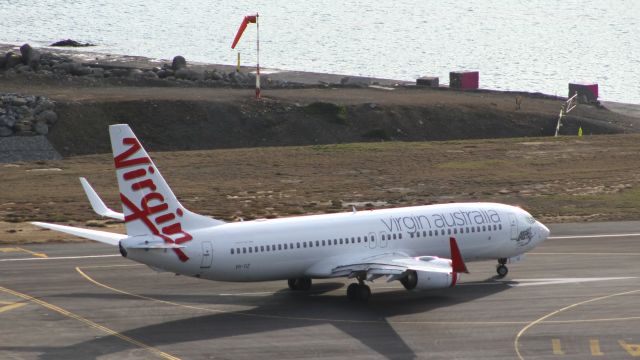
(532, 45)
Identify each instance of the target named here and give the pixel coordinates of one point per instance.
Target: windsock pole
(258, 56)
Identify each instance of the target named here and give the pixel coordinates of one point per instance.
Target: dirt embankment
(191, 118)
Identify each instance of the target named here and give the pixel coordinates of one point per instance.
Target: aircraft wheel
(364, 293)
(352, 291)
(502, 270)
(292, 284)
(302, 284)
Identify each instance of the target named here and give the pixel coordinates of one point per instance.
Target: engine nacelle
(429, 280)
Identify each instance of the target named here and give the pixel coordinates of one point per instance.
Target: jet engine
(429, 280)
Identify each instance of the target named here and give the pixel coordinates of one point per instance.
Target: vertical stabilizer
(148, 204)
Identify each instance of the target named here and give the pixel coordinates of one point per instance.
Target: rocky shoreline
(69, 98)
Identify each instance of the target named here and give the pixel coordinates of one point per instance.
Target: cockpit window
(530, 219)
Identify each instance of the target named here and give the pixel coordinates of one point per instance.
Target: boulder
(188, 74)
(79, 70)
(150, 75)
(41, 128)
(47, 116)
(7, 120)
(179, 62)
(5, 131)
(11, 59)
(135, 73)
(71, 43)
(164, 73)
(30, 56)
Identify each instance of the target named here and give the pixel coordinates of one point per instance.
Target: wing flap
(96, 235)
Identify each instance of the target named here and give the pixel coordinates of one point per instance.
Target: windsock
(247, 19)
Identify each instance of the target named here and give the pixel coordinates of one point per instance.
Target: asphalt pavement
(574, 297)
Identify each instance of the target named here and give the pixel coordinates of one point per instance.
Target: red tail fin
(457, 264)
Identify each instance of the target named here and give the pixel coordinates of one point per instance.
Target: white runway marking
(591, 236)
(62, 258)
(538, 282)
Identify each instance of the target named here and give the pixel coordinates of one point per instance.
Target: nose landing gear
(502, 269)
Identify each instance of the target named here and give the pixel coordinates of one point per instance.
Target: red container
(590, 91)
(465, 80)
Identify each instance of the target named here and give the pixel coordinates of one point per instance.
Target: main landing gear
(359, 291)
(502, 269)
(302, 284)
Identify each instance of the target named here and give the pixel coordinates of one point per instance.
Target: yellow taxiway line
(19, 249)
(6, 306)
(90, 323)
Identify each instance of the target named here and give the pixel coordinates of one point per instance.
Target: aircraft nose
(544, 231)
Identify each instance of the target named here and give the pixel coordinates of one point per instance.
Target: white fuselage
(311, 246)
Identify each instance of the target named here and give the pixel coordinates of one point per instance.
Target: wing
(101, 236)
(393, 265)
(397, 265)
(97, 204)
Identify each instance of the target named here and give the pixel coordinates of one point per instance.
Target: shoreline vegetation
(315, 143)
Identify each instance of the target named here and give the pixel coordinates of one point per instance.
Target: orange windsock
(247, 19)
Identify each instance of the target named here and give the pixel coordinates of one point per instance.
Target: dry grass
(564, 179)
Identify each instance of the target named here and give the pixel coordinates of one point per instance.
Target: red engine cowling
(428, 280)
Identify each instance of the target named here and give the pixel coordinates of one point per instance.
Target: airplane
(416, 246)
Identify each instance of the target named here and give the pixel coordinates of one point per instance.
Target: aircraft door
(514, 226)
(372, 240)
(207, 255)
(383, 239)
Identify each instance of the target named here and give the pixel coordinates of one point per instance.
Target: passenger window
(455, 230)
(500, 226)
(340, 241)
(478, 228)
(430, 233)
(310, 244)
(365, 239)
(358, 238)
(231, 251)
(317, 243)
(394, 236)
(448, 231)
(244, 250)
(262, 248)
(353, 240)
(399, 236)
(335, 241)
(323, 243)
(250, 250)
(304, 244)
(297, 245)
(495, 227)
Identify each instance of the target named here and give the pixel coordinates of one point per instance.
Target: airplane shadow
(285, 310)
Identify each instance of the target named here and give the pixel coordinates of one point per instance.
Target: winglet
(97, 204)
(457, 264)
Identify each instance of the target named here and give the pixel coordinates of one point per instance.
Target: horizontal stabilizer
(96, 235)
(97, 204)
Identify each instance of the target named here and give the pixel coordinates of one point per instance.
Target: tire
(502, 271)
(352, 291)
(292, 284)
(304, 284)
(364, 293)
